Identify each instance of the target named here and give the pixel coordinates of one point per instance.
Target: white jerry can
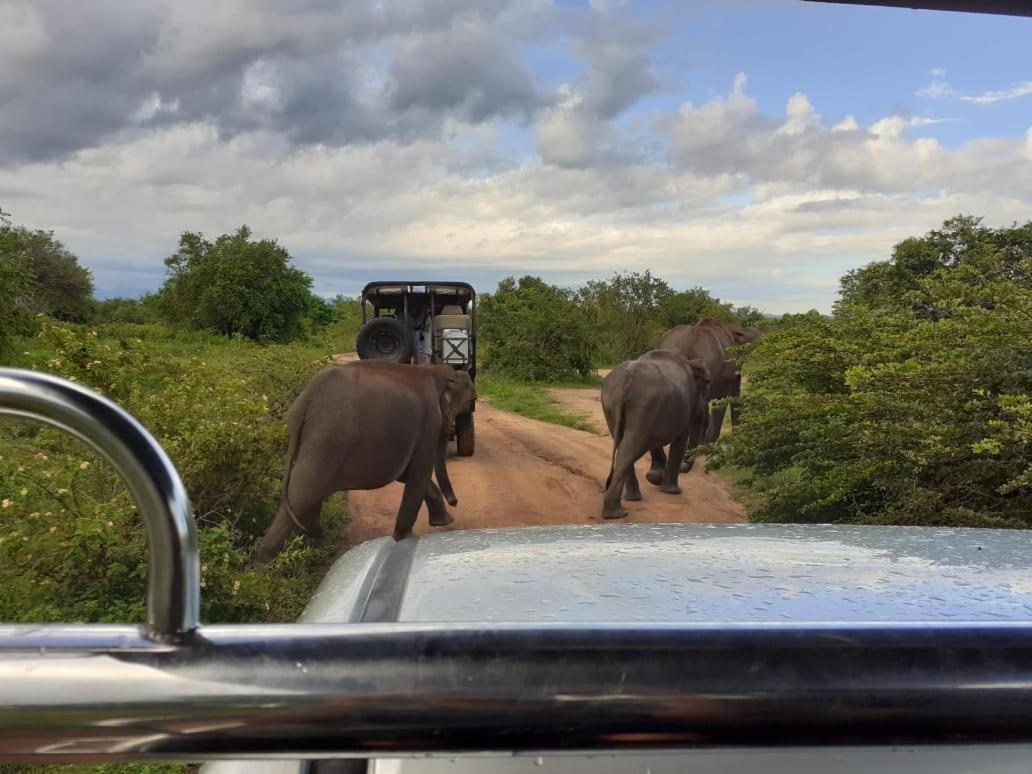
(454, 346)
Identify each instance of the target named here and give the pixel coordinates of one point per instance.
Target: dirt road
(527, 472)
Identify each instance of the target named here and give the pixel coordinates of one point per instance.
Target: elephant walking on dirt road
(656, 400)
(710, 340)
(361, 426)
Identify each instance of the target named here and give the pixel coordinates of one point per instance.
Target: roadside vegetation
(911, 403)
(213, 389)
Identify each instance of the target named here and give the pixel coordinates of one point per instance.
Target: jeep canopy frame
(175, 690)
(395, 296)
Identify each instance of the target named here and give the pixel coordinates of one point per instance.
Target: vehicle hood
(684, 573)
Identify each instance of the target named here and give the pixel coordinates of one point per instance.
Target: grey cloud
(88, 71)
(468, 69)
(616, 49)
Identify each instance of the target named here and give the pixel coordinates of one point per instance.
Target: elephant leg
(659, 461)
(416, 490)
(632, 491)
(439, 516)
(673, 467)
(623, 464)
(715, 422)
(736, 411)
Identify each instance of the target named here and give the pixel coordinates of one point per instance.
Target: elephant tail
(295, 429)
(618, 420)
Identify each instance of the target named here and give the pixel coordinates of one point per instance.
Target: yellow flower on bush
(24, 492)
(83, 465)
(7, 503)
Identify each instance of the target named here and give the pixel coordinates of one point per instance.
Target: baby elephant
(361, 426)
(656, 400)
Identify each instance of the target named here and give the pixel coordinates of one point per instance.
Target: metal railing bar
(173, 596)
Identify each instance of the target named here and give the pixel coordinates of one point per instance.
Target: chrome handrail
(174, 593)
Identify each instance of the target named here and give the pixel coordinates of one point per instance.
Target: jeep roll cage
(398, 297)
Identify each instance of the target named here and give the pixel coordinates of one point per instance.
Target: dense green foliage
(126, 310)
(237, 286)
(632, 310)
(71, 543)
(911, 404)
(38, 275)
(539, 332)
(531, 330)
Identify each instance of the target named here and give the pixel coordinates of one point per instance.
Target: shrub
(536, 331)
(887, 413)
(72, 546)
(126, 310)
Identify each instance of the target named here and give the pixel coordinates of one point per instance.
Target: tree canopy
(236, 285)
(532, 330)
(38, 275)
(911, 404)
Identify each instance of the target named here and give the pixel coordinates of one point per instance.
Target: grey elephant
(361, 426)
(710, 340)
(656, 400)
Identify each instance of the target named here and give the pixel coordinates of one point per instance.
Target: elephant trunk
(441, 470)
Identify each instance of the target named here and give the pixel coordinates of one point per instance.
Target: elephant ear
(450, 392)
(700, 371)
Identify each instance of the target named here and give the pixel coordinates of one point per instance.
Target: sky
(757, 148)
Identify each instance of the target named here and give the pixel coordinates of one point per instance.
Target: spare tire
(384, 338)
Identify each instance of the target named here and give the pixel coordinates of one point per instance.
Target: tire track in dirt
(528, 473)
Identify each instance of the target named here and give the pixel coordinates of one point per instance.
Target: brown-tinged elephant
(363, 425)
(656, 400)
(710, 340)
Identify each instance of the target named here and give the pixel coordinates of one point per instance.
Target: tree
(888, 413)
(236, 286)
(60, 287)
(628, 309)
(687, 306)
(961, 240)
(536, 331)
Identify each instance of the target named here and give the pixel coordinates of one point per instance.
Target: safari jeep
(759, 649)
(423, 322)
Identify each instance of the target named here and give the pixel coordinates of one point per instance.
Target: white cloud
(1018, 90)
(940, 89)
(927, 121)
(936, 90)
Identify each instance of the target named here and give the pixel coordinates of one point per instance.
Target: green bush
(72, 546)
(126, 310)
(236, 286)
(911, 410)
(531, 330)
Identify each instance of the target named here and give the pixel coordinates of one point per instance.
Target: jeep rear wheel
(465, 441)
(384, 338)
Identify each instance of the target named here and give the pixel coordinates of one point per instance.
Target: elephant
(363, 425)
(709, 340)
(656, 400)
